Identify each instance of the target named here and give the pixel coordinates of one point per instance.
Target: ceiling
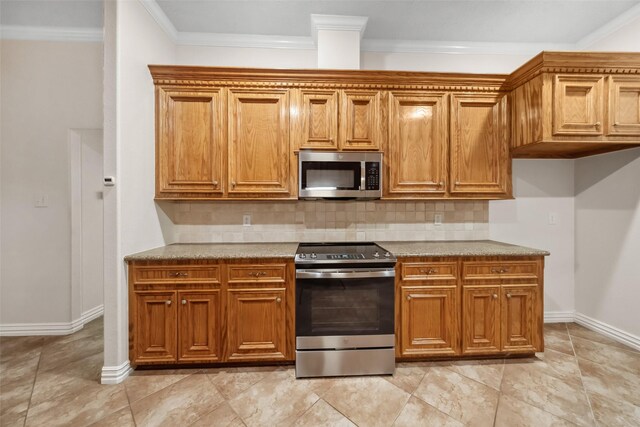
(506, 21)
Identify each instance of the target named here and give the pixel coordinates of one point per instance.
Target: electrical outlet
(553, 218)
(246, 220)
(437, 219)
(41, 201)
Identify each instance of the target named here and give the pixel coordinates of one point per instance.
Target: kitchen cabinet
(624, 106)
(315, 125)
(190, 143)
(479, 159)
(518, 304)
(199, 325)
(578, 105)
(155, 326)
(360, 119)
(481, 319)
(416, 151)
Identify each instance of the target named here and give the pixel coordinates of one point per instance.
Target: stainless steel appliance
(344, 310)
(339, 175)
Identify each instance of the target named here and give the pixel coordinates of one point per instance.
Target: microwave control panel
(372, 175)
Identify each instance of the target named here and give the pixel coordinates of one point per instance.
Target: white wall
(246, 57)
(47, 89)
(442, 62)
(540, 188)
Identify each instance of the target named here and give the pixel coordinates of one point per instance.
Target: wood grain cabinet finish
(416, 151)
(578, 105)
(199, 316)
(624, 106)
(360, 120)
(155, 326)
(315, 124)
(481, 319)
(190, 143)
(518, 318)
(259, 142)
(479, 161)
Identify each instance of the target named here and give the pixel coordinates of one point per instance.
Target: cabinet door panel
(624, 106)
(480, 319)
(155, 326)
(199, 325)
(258, 141)
(429, 321)
(416, 154)
(317, 119)
(518, 318)
(360, 120)
(479, 158)
(190, 141)
(578, 105)
(256, 324)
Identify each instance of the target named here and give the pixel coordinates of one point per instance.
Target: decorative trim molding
(459, 47)
(74, 34)
(54, 328)
(608, 330)
(161, 18)
(337, 23)
(609, 28)
(244, 40)
(559, 316)
(115, 374)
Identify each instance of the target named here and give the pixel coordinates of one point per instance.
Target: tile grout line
(33, 385)
(429, 404)
(586, 394)
(495, 415)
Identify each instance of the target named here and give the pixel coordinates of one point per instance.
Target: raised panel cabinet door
(479, 145)
(256, 326)
(315, 124)
(480, 319)
(518, 320)
(416, 153)
(258, 141)
(624, 106)
(199, 325)
(360, 120)
(429, 321)
(155, 326)
(578, 107)
(191, 137)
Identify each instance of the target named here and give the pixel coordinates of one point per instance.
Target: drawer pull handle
(278, 299)
(504, 270)
(508, 295)
(179, 274)
(408, 297)
(495, 296)
(184, 301)
(429, 271)
(500, 270)
(257, 273)
(168, 302)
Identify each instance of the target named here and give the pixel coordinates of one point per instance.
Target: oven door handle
(346, 274)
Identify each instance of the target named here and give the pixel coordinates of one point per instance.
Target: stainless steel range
(344, 309)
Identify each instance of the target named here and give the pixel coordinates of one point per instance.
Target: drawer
(257, 272)
(429, 271)
(474, 270)
(176, 273)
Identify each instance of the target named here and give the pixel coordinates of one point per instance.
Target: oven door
(344, 309)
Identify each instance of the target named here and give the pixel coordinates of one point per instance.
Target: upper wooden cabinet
(416, 151)
(259, 142)
(190, 142)
(360, 120)
(575, 104)
(479, 160)
(316, 119)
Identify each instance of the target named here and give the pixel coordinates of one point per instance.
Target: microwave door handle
(363, 172)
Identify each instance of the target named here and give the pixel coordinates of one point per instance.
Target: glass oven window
(331, 175)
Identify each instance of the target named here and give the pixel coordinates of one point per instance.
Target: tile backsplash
(299, 221)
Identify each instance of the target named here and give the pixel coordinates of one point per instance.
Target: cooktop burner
(351, 252)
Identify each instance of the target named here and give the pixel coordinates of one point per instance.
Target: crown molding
(337, 23)
(609, 28)
(452, 47)
(161, 18)
(244, 40)
(20, 32)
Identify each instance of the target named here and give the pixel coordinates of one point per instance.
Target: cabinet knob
(616, 124)
(215, 183)
(441, 184)
(278, 299)
(597, 124)
(408, 297)
(233, 184)
(508, 295)
(184, 301)
(168, 302)
(495, 296)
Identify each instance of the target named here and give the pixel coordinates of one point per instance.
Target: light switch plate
(437, 219)
(246, 220)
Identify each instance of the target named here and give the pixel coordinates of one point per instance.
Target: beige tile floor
(582, 378)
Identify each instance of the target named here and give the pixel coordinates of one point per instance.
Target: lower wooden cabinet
(518, 317)
(155, 326)
(199, 325)
(481, 319)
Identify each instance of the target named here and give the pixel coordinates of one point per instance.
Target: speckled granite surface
(459, 248)
(216, 251)
(288, 250)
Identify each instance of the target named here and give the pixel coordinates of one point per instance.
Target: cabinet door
(429, 321)
(416, 153)
(256, 326)
(480, 319)
(624, 106)
(190, 142)
(155, 326)
(518, 320)
(199, 325)
(578, 105)
(316, 123)
(360, 120)
(479, 159)
(258, 141)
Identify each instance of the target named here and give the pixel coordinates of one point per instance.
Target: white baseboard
(608, 330)
(559, 316)
(53, 328)
(115, 374)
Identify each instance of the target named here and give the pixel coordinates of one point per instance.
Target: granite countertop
(184, 251)
(181, 251)
(459, 248)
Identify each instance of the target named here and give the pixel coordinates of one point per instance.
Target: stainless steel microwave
(339, 175)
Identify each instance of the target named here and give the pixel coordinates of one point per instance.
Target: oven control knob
(303, 256)
(387, 255)
(376, 255)
(314, 255)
